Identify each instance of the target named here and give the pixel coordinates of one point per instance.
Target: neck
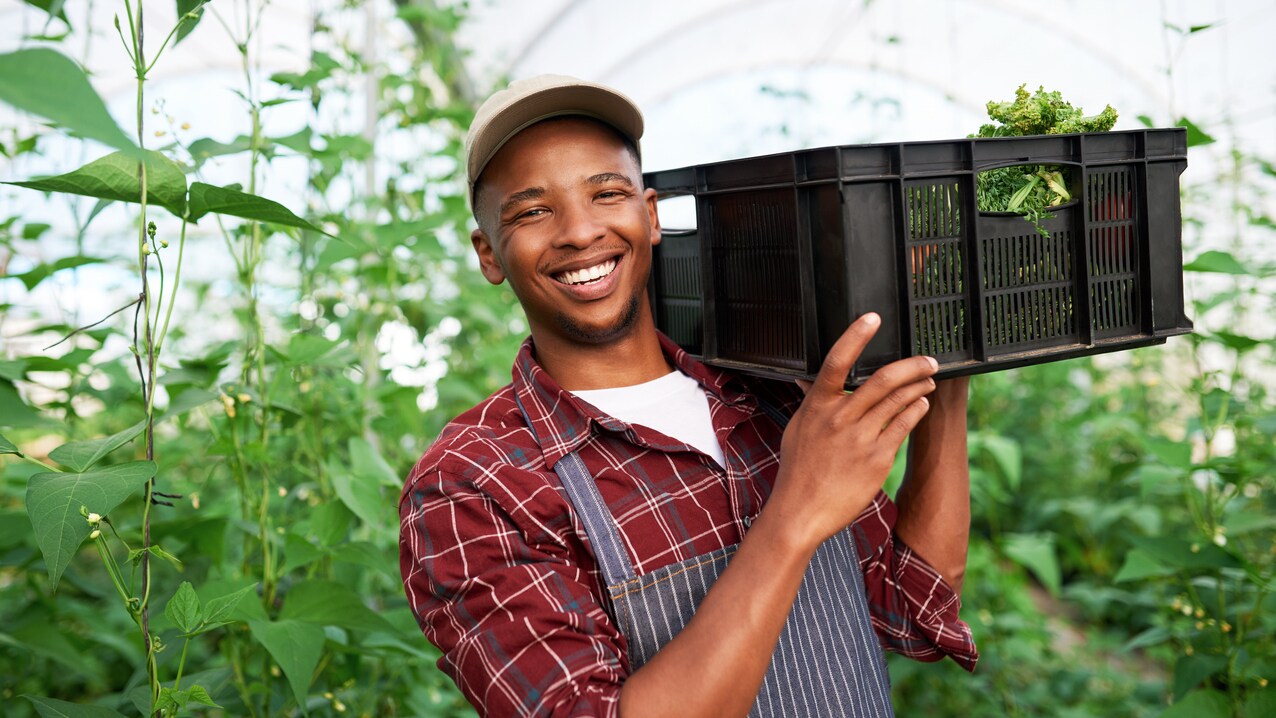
(632, 359)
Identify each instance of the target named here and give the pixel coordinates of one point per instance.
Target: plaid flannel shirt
(500, 578)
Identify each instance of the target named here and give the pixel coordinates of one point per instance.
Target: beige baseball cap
(526, 102)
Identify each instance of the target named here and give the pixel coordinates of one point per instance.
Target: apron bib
(828, 661)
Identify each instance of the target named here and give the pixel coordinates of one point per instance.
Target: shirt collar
(562, 423)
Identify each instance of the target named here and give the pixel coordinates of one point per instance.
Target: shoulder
(478, 446)
(785, 395)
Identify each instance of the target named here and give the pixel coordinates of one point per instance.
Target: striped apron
(828, 661)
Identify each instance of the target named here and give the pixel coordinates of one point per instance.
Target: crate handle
(982, 167)
(676, 232)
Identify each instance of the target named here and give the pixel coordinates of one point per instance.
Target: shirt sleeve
(520, 631)
(914, 611)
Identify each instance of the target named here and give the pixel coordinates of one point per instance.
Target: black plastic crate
(789, 248)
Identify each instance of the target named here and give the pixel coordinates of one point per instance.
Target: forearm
(934, 500)
(716, 665)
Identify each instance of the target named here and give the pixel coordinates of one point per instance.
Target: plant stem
(148, 376)
(181, 665)
(172, 297)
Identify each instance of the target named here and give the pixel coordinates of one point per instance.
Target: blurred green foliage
(1123, 544)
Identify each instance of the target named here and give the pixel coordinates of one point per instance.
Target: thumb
(844, 353)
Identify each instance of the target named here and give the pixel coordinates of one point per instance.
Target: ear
(653, 215)
(488, 263)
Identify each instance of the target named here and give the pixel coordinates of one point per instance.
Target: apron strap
(600, 527)
(773, 412)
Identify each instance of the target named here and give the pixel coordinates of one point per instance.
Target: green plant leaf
(1139, 564)
(171, 700)
(54, 501)
(361, 494)
(1243, 522)
(206, 198)
(47, 83)
(1200, 704)
(1260, 703)
(1174, 454)
(53, 7)
(13, 370)
(305, 349)
(13, 409)
(329, 603)
(115, 177)
(8, 447)
(1195, 135)
(1239, 342)
(82, 455)
(1154, 636)
(207, 147)
(15, 528)
(53, 708)
(46, 640)
(183, 609)
(1189, 671)
(198, 694)
(1036, 552)
(33, 230)
(1182, 553)
(298, 141)
(44, 270)
(188, 24)
(1215, 261)
(220, 610)
(1005, 453)
(296, 646)
(299, 552)
(368, 462)
(367, 554)
(329, 524)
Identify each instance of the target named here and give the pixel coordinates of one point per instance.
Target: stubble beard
(603, 335)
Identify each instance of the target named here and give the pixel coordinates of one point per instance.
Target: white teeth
(588, 274)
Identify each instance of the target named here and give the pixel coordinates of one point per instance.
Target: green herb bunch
(1031, 190)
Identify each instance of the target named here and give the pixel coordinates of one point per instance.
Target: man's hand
(839, 448)
(835, 456)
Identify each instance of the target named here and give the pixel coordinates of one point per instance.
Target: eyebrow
(521, 196)
(605, 177)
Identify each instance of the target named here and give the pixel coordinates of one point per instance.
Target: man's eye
(531, 213)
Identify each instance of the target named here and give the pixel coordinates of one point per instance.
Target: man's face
(564, 218)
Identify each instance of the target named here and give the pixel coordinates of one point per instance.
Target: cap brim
(503, 117)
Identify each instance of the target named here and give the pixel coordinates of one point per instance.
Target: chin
(586, 334)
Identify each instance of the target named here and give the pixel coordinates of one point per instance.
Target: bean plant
(204, 521)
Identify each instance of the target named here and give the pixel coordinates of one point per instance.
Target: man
(623, 530)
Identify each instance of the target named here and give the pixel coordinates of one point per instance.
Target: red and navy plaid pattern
(501, 579)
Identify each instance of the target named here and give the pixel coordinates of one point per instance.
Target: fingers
(891, 378)
(904, 422)
(898, 401)
(837, 364)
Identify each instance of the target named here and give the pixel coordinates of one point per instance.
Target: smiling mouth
(588, 275)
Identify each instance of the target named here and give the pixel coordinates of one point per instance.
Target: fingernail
(871, 319)
(933, 363)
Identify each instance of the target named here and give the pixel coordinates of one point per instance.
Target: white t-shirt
(675, 405)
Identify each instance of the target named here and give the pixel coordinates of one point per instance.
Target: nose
(579, 226)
